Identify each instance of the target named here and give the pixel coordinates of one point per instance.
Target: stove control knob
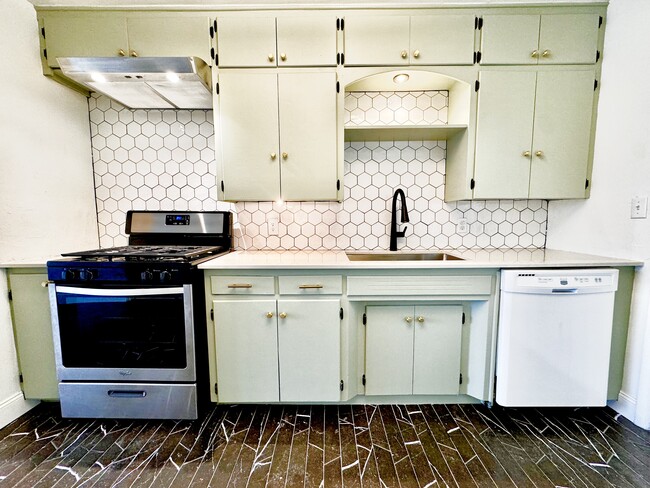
(86, 275)
(165, 276)
(146, 275)
(67, 275)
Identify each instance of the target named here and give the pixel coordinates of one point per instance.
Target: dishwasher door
(554, 337)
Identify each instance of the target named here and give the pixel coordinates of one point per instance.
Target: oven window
(122, 331)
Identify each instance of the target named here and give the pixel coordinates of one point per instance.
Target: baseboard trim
(625, 405)
(13, 407)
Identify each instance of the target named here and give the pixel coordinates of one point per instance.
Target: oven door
(123, 334)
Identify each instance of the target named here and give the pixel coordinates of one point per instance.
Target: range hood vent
(156, 83)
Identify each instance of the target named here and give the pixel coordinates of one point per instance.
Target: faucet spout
(404, 217)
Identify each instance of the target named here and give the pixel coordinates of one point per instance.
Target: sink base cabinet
(413, 349)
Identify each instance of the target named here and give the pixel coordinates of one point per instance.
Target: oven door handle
(127, 393)
(117, 292)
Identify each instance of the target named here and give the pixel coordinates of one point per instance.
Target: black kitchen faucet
(394, 233)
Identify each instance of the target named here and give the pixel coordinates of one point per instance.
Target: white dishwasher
(554, 337)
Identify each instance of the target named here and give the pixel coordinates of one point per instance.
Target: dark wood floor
(370, 446)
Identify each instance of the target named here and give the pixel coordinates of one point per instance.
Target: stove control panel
(80, 272)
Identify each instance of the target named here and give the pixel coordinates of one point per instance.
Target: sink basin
(402, 256)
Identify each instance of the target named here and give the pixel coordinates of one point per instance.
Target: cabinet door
(246, 42)
(307, 41)
(563, 115)
(247, 355)
(442, 39)
(33, 328)
(309, 349)
(93, 34)
(308, 136)
(436, 349)
(510, 39)
(506, 105)
(389, 350)
(170, 36)
(374, 40)
(568, 39)
(248, 105)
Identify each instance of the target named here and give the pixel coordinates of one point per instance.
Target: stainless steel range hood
(162, 83)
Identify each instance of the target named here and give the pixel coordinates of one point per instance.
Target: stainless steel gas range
(128, 322)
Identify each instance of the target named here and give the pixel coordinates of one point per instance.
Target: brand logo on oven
(126, 373)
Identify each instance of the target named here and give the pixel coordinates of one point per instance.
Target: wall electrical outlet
(462, 228)
(639, 208)
(273, 227)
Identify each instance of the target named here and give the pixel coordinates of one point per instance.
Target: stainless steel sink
(401, 256)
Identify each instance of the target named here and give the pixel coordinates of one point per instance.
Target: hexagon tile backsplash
(164, 160)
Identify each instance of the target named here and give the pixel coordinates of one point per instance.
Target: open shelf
(402, 132)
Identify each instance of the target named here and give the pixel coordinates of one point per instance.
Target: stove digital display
(177, 219)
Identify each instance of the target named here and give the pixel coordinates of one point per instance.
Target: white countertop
(477, 258)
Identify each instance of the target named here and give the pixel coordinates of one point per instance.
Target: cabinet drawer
(311, 285)
(242, 285)
(419, 285)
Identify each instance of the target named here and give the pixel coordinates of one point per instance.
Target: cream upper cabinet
(258, 42)
(541, 147)
(539, 39)
(374, 40)
(109, 34)
(278, 135)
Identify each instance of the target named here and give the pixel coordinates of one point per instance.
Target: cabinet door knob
(269, 315)
(404, 54)
(285, 155)
(416, 53)
(273, 156)
(546, 53)
(47, 283)
(134, 54)
(121, 52)
(534, 54)
(420, 319)
(539, 154)
(271, 58)
(408, 319)
(283, 56)
(526, 154)
(283, 315)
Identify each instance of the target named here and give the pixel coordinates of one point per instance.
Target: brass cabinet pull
(534, 54)
(404, 54)
(271, 58)
(273, 156)
(408, 319)
(539, 154)
(546, 53)
(134, 54)
(283, 315)
(240, 285)
(416, 53)
(45, 284)
(269, 315)
(526, 154)
(420, 319)
(305, 287)
(283, 56)
(121, 52)
(285, 155)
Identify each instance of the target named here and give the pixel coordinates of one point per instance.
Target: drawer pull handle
(307, 287)
(240, 285)
(127, 393)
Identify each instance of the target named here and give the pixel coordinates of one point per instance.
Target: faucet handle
(401, 233)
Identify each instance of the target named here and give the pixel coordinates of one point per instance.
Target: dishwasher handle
(564, 290)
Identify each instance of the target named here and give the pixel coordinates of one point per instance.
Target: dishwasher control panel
(560, 281)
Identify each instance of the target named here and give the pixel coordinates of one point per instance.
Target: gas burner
(148, 253)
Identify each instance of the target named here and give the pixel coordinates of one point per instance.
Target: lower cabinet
(30, 307)
(271, 349)
(413, 350)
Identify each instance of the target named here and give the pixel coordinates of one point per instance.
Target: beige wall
(602, 224)
(46, 185)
